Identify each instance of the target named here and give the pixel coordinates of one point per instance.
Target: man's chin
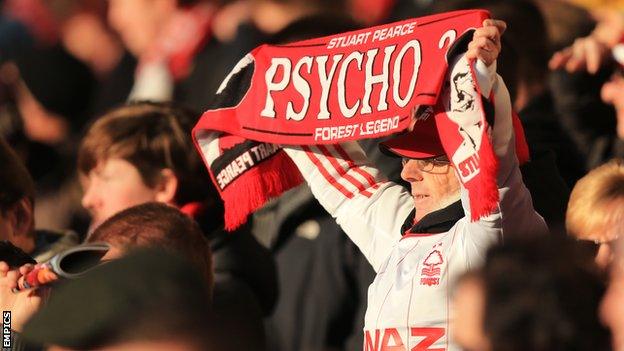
(426, 204)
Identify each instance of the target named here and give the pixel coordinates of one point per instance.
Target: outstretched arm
(368, 207)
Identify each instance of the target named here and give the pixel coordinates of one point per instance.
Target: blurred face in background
(138, 22)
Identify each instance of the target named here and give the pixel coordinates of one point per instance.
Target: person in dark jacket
(17, 202)
(178, 57)
(531, 295)
(166, 309)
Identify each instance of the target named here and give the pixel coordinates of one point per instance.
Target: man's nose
(411, 172)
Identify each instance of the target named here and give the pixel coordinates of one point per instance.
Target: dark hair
(151, 136)
(542, 295)
(61, 83)
(15, 181)
(160, 226)
(148, 295)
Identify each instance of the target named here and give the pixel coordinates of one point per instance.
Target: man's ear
(167, 187)
(24, 217)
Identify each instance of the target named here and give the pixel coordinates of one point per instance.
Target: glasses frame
(428, 165)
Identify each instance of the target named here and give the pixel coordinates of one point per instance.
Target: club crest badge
(430, 274)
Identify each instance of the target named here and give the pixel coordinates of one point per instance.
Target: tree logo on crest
(430, 274)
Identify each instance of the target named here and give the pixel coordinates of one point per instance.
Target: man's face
(138, 22)
(432, 189)
(112, 186)
(612, 307)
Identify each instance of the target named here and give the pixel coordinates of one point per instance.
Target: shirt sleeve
(368, 207)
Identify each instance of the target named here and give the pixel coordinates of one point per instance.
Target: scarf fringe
(484, 193)
(268, 180)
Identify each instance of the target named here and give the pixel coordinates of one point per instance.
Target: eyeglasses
(429, 164)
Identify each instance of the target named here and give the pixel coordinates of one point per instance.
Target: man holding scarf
(420, 244)
(460, 157)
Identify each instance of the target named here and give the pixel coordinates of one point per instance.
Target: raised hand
(486, 41)
(586, 53)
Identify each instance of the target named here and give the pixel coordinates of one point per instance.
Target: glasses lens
(426, 165)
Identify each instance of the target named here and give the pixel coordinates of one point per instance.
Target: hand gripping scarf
(349, 86)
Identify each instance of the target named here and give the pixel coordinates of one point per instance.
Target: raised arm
(368, 207)
(515, 214)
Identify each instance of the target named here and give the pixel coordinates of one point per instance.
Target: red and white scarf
(350, 86)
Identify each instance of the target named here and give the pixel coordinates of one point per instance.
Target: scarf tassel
(268, 180)
(484, 193)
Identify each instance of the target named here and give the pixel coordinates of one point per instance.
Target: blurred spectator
(14, 37)
(160, 226)
(143, 152)
(51, 96)
(156, 225)
(17, 221)
(148, 300)
(80, 27)
(612, 308)
(596, 209)
(139, 153)
(531, 295)
(165, 36)
(579, 71)
(565, 22)
(39, 17)
(85, 34)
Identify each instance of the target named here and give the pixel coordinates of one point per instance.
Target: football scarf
(350, 86)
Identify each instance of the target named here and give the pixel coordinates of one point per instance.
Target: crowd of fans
(97, 102)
